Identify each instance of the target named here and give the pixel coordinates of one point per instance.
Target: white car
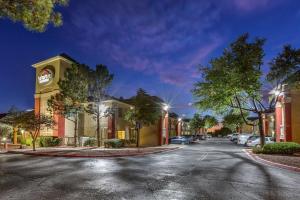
(234, 137)
(242, 138)
(255, 142)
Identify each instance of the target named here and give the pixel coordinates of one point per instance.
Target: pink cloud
(250, 5)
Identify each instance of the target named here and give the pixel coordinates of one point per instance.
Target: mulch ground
(293, 161)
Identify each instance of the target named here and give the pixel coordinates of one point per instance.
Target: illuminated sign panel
(46, 76)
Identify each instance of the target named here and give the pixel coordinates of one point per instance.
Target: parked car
(208, 136)
(255, 142)
(190, 137)
(243, 138)
(253, 137)
(200, 137)
(234, 137)
(180, 140)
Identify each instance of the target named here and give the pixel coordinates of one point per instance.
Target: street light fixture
(166, 107)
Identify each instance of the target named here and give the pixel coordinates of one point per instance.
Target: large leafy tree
(34, 14)
(70, 101)
(285, 67)
(209, 121)
(33, 124)
(146, 111)
(233, 121)
(99, 80)
(10, 119)
(196, 123)
(233, 81)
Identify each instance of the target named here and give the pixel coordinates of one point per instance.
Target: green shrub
(281, 148)
(90, 142)
(28, 141)
(114, 143)
(128, 142)
(22, 140)
(49, 141)
(257, 150)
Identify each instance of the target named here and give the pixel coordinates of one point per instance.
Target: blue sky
(155, 45)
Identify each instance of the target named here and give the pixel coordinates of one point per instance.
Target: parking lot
(211, 169)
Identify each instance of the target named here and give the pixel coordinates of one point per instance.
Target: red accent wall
(178, 130)
(59, 128)
(37, 105)
(160, 137)
(167, 128)
(266, 126)
(288, 122)
(278, 121)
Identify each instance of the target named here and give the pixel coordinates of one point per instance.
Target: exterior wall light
(166, 107)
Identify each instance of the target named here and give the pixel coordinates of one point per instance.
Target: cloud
(249, 5)
(164, 38)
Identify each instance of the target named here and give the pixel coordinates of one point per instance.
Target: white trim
(51, 60)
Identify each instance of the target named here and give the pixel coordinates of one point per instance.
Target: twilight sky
(152, 44)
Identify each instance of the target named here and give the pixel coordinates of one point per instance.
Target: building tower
(48, 73)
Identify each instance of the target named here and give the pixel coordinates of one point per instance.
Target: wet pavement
(214, 169)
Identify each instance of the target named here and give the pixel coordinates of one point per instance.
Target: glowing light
(277, 92)
(166, 107)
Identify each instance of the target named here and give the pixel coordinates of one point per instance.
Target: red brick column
(59, 128)
(278, 121)
(160, 131)
(179, 128)
(288, 121)
(37, 105)
(266, 125)
(167, 127)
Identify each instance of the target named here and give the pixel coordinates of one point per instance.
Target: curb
(93, 156)
(270, 163)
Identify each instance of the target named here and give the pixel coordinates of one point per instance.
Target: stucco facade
(287, 115)
(49, 72)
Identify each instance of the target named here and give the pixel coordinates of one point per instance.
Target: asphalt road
(215, 169)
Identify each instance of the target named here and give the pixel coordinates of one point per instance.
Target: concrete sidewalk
(92, 152)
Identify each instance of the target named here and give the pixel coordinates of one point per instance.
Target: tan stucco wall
(149, 135)
(59, 66)
(295, 94)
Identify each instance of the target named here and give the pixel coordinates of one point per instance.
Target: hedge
(114, 143)
(49, 141)
(90, 142)
(287, 148)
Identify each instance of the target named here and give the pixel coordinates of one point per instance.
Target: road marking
(203, 157)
